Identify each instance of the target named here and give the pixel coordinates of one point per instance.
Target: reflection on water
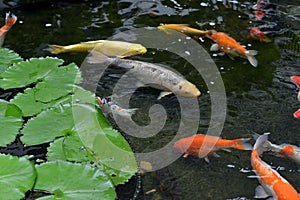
(259, 99)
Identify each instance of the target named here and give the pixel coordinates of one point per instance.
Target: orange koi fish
(272, 184)
(204, 145)
(290, 151)
(231, 47)
(10, 20)
(256, 34)
(183, 29)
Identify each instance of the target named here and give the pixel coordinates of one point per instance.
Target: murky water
(259, 99)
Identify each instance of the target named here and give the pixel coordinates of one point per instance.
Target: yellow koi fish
(107, 47)
(183, 29)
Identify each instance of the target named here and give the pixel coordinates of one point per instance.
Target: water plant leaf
(11, 122)
(26, 72)
(48, 125)
(7, 58)
(59, 82)
(30, 106)
(67, 180)
(17, 175)
(55, 150)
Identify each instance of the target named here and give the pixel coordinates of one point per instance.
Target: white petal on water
(230, 166)
(187, 52)
(48, 25)
(203, 4)
(212, 23)
(188, 38)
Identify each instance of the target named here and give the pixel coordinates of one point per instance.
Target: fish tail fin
(56, 49)
(242, 144)
(250, 56)
(260, 143)
(10, 19)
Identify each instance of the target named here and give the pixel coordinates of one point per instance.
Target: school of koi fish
(272, 184)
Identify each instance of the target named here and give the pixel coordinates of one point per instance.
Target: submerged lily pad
(10, 122)
(17, 176)
(67, 180)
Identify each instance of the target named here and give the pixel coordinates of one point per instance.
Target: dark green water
(259, 99)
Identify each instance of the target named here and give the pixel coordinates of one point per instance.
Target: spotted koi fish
(273, 185)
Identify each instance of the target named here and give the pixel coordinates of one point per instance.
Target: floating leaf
(48, 125)
(30, 106)
(67, 180)
(27, 72)
(58, 83)
(17, 176)
(7, 58)
(10, 122)
(55, 150)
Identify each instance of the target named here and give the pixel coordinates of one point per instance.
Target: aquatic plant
(79, 163)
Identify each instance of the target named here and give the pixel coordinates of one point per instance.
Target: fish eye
(180, 87)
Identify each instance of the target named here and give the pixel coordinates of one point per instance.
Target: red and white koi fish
(108, 106)
(297, 114)
(204, 145)
(10, 20)
(272, 184)
(296, 80)
(290, 151)
(259, 35)
(231, 47)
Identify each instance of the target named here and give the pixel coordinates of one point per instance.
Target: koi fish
(204, 145)
(10, 20)
(231, 47)
(290, 151)
(107, 47)
(256, 34)
(297, 114)
(160, 77)
(296, 80)
(272, 184)
(183, 29)
(108, 106)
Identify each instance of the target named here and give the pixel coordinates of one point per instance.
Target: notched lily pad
(26, 72)
(67, 180)
(48, 125)
(10, 122)
(17, 175)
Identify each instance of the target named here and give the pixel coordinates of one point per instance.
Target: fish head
(297, 114)
(183, 145)
(296, 80)
(187, 89)
(136, 49)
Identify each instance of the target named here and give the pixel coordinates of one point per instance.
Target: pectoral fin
(260, 192)
(163, 94)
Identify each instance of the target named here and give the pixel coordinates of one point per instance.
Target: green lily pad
(48, 125)
(67, 180)
(30, 106)
(17, 176)
(58, 83)
(7, 58)
(11, 122)
(26, 72)
(55, 150)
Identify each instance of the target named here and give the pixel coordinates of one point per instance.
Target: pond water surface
(259, 99)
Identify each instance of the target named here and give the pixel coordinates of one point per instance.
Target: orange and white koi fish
(183, 29)
(296, 80)
(259, 35)
(290, 151)
(204, 145)
(231, 47)
(10, 20)
(272, 184)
